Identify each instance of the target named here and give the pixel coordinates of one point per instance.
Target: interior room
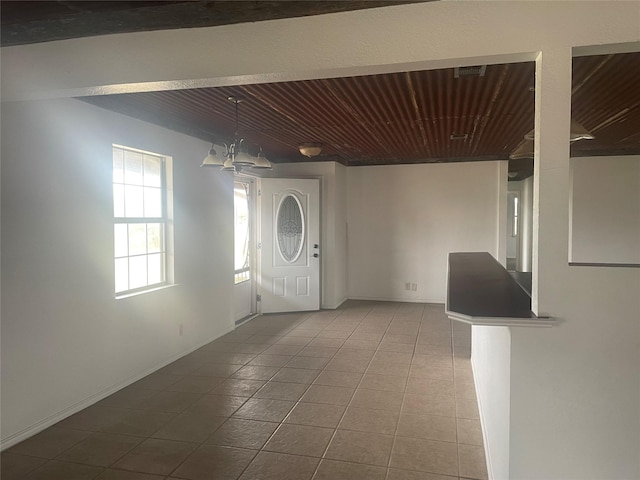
(394, 134)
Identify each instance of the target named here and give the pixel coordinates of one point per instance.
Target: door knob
(315, 245)
(315, 255)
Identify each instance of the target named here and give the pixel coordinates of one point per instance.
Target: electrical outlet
(414, 287)
(407, 286)
(180, 329)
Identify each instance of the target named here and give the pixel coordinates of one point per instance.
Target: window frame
(165, 220)
(244, 274)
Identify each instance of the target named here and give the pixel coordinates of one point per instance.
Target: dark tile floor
(373, 390)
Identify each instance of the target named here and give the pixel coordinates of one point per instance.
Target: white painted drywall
(491, 360)
(556, 432)
(404, 220)
(605, 210)
(396, 38)
(241, 300)
(65, 339)
(575, 388)
(340, 256)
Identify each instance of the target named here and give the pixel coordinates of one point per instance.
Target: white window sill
(142, 292)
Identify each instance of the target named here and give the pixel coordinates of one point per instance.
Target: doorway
(513, 229)
(520, 225)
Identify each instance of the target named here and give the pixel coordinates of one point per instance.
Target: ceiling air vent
(473, 71)
(458, 136)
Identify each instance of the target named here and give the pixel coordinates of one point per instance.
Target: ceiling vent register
(472, 71)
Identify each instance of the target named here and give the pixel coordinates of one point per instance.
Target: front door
(289, 245)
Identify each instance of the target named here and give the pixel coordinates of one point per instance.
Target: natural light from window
(241, 231)
(139, 209)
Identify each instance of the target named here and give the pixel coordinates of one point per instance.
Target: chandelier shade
(241, 156)
(212, 159)
(228, 165)
(261, 162)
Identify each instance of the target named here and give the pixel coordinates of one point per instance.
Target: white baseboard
(403, 300)
(487, 451)
(246, 319)
(334, 306)
(87, 402)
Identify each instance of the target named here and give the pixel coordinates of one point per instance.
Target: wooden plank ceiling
(405, 117)
(606, 100)
(402, 117)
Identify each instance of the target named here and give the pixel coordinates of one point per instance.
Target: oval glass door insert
(290, 228)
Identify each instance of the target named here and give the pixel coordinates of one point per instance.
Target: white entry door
(289, 244)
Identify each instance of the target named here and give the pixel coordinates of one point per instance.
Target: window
(141, 227)
(290, 228)
(241, 232)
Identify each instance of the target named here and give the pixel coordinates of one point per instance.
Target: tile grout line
(335, 430)
(294, 406)
(231, 415)
(353, 395)
(261, 449)
(404, 396)
(299, 323)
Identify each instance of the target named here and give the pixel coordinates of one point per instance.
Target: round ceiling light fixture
(310, 149)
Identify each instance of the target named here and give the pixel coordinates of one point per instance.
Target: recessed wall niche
(605, 170)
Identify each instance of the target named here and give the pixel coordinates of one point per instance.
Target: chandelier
(235, 157)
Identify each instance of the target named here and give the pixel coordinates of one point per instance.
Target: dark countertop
(480, 287)
(523, 279)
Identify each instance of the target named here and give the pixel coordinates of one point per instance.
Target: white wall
(404, 220)
(242, 300)
(491, 360)
(574, 414)
(66, 340)
(340, 253)
(605, 210)
(575, 388)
